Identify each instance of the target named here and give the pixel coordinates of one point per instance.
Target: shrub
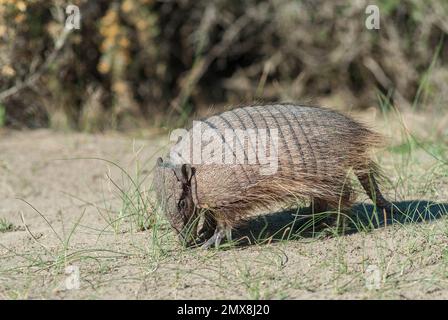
(139, 61)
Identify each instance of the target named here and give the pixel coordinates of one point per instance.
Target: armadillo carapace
(261, 156)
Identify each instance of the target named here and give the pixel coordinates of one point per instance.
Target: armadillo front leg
(221, 232)
(208, 227)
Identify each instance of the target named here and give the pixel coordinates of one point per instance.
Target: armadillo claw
(214, 240)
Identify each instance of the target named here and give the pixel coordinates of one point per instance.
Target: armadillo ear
(159, 161)
(187, 172)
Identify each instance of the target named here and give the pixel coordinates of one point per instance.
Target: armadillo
(311, 152)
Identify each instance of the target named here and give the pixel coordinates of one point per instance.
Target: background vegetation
(139, 62)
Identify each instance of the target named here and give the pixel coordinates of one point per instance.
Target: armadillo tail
(368, 180)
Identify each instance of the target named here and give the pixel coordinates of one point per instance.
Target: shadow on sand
(297, 223)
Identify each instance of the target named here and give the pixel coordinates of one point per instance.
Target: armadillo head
(173, 186)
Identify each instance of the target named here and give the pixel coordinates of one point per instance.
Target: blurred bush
(135, 62)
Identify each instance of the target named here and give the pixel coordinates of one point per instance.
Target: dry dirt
(62, 208)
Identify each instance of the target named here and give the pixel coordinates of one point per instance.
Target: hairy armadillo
(311, 151)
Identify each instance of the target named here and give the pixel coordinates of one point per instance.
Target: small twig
(383, 79)
(203, 63)
(59, 44)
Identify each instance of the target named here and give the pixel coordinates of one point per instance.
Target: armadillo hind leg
(372, 189)
(337, 221)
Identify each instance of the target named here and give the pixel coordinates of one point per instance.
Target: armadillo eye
(182, 204)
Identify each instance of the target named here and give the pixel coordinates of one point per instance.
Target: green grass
(5, 225)
(424, 89)
(2, 115)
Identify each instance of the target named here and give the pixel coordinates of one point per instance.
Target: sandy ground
(68, 215)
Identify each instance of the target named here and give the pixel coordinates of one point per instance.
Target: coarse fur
(317, 149)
